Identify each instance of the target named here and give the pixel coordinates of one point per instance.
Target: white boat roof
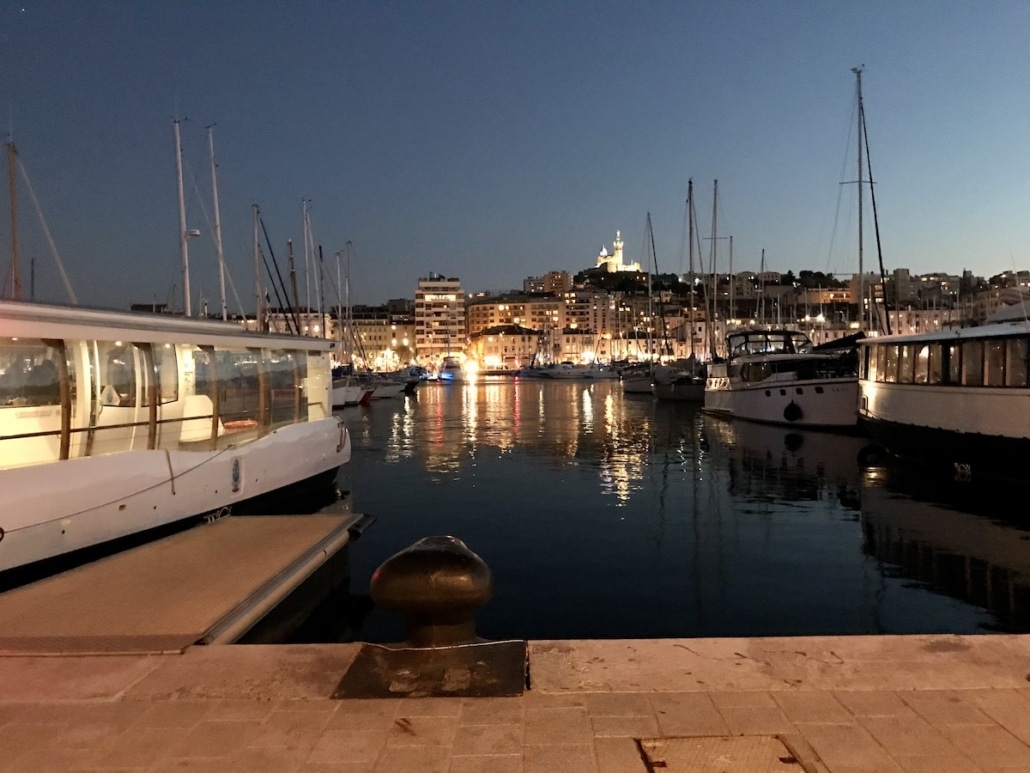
(38, 320)
(996, 330)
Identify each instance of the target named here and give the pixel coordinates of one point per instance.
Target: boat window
(167, 373)
(995, 362)
(881, 363)
(28, 373)
(953, 353)
(1016, 362)
(285, 382)
(117, 373)
(239, 393)
(921, 369)
(935, 361)
(972, 363)
(905, 363)
(890, 367)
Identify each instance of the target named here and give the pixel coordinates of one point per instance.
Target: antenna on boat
(218, 222)
(15, 267)
(183, 233)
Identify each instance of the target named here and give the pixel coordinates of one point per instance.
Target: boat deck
(207, 584)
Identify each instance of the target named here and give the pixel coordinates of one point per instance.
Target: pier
(206, 585)
(814, 704)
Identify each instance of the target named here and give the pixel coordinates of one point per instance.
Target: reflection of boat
(955, 397)
(829, 456)
(776, 376)
(953, 538)
(112, 423)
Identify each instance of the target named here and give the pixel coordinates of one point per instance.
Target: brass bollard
(437, 584)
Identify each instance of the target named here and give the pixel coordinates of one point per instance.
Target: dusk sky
(493, 141)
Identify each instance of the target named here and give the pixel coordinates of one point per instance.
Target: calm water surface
(605, 515)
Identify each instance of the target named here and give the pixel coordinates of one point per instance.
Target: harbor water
(604, 515)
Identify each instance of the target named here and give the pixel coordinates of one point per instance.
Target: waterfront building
(383, 341)
(504, 346)
(553, 282)
(439, 318)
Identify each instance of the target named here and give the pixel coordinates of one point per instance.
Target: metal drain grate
(721, 754)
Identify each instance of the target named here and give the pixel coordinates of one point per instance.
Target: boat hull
(972, 430)
(821, 403)
(53, 509)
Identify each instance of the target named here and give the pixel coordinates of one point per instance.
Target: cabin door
(120, 380)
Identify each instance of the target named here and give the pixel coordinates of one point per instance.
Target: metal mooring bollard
(437, 584)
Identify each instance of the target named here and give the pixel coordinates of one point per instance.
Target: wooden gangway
(208, 584)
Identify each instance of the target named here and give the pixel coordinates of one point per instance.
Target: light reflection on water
(604, 515)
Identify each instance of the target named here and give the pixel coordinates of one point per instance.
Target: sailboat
(682, 380)
(777, 376)
(638, 379)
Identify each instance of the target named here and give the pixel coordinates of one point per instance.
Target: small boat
(776, 376)
(682, 381)
(567, 370)
(349, 388)
(956, 398)
(112, 423)
(638, 378)
(451, 371)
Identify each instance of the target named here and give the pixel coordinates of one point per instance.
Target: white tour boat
(114, 423)
(776, 376)
(957, 397)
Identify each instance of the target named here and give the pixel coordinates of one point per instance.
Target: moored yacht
(113, 423)
(955, 397)
(777, 376)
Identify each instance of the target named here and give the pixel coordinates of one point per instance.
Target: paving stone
(990, 746)
(347, 746)
(606, 704)
(563, 725)
(688, 714)
(406, 759)
(908, 737)
(488, 739)
(756, 720)
(944, 707)
(628, 727)
(492, 763)
(422, 731)
(808, 706)
(938, 764)
(873, 703)
(490, 711)
(844, 746)
(567, 758)
(619, 755)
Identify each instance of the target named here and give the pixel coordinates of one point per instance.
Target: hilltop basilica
(612, 263)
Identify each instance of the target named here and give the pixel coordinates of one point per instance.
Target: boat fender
(871, 455)
(792, 412)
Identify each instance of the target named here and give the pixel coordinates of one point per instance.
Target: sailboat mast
(861, 270)
(15, 263)
(690, 251)
(258, 305)
(218, 222)
(183, 236)
(650, 303)
(715, 279)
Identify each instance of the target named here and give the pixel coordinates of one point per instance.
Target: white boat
(637, 379)
(348, 388)
(451, 371)
(567, 370)
(112, 423)
(775, 376)
(955, 397)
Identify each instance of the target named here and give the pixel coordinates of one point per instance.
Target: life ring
(792, 412)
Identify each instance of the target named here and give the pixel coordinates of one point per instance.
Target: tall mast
(15, 265)
(258, 299)
(650, 303)
(307, 256)
(218, 222)
(690, 251)
(861, 270)
(183, 236)
(715, 278)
